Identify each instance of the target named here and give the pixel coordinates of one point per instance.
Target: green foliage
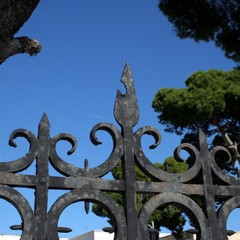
(207, 20)
(172, 165)
(210, 99)
(211, 102)
(170, 217)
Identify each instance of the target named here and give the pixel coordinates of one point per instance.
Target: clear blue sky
(75, 77)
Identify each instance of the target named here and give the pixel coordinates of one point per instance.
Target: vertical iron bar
(130, 184)
(41, 192)
(208, 188)
(126, 113)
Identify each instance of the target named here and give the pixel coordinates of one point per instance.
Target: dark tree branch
(18, 45)
(231, 145)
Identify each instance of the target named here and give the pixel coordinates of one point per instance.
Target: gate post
(42, 180)
(127, 115)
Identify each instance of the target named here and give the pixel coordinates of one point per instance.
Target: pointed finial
(126, 109)
(44, 119)
(44, 122)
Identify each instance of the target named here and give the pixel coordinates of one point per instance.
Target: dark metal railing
(86, 184)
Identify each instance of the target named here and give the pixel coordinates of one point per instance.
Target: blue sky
(75, 77)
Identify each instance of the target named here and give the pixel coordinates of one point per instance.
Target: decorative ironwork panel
(86, 184)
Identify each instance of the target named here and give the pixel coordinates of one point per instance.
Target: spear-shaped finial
(126, 109)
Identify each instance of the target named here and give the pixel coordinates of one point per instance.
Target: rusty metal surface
(86, 184)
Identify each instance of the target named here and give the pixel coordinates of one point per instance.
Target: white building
(100, 235)
(17, 237)
(9, 237)
(190, 236)
(94, 235)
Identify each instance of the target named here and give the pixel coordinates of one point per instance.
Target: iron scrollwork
(86, 184)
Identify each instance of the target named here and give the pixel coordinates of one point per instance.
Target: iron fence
(87, 185)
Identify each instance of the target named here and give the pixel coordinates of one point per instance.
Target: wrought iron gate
(86, 184)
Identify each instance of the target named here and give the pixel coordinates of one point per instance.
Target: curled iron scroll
(218, 171)
(24, 209)
(94, 196)
(24, 162)
(224, 212)
(149, 169)
(69, 170)
(187, 204)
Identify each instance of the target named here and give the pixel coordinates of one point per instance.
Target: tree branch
(18, 45)
(231, 145)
